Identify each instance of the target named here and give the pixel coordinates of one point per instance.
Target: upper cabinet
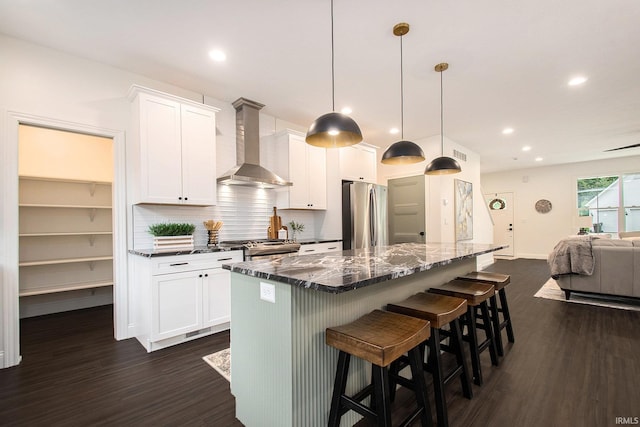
(358, 163)
(289, 156)
(173, 154)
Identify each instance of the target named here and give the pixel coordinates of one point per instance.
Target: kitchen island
(282, 371)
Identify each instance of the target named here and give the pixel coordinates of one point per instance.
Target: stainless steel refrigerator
(364, 215)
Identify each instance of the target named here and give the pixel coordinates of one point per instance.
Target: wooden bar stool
(477, 294)
(439, 310)
(379, 337)
(499, 281)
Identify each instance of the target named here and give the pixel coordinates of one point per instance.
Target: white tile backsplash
(245, 212)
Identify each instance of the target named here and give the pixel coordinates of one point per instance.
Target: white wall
(536, 234)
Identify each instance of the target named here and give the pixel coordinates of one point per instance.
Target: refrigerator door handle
(373, 219)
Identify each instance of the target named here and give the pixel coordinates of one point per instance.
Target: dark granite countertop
(196, 250)
(337, 272)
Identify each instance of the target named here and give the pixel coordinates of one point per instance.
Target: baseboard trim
(533, 256)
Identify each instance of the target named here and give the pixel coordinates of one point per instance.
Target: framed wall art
(463, 209)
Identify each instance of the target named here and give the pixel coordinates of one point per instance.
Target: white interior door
(501, 209)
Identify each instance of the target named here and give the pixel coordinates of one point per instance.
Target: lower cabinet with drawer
(318, 248)
(182, 297)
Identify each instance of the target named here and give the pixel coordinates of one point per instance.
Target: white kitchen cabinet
(318, 248)
(181, 297)
(173, 149)
(216, 294)
(65, 235)
(289, 156)
(176, 304)
(358, 163)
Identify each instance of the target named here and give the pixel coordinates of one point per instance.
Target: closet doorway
(65, 220)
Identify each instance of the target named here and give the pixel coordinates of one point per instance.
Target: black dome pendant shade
(442, 165)
(333, 130)
(402, 152)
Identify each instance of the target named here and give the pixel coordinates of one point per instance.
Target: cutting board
(275, 224)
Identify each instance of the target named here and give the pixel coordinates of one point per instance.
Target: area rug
(221, 362)
(551, 290)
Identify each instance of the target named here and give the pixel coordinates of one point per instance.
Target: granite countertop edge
(310, 284)
(150, 253)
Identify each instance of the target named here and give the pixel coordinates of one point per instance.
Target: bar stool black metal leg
(339, 386)
(458, 348)
(495, 322)
(380, 381)
(504, 306)
(394, 371)
(486, 320)
(470, 320)
(420, 386)
(438, 380)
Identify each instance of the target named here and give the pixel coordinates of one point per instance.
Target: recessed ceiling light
(526, 148)
(539, 159)
(394, 131)
(346, 110)
(578, 80)
(507, 131)
(217, 55)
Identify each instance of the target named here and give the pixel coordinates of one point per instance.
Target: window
(613, 202)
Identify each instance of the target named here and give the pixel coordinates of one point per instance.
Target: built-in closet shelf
(64, 288)
(70, 181)
(66, 237)
(34, 205)
(65, 261)
(83, 233)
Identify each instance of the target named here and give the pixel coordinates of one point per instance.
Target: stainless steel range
(260, 249)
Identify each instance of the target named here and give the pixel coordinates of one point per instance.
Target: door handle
(422, 233)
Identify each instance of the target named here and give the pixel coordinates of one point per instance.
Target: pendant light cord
(441, 119)
(333, 77)
(401, 93)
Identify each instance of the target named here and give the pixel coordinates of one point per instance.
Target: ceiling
(509, 64)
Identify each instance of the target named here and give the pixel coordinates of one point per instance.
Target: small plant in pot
(295, 227)
(172, 236)
(171, 229)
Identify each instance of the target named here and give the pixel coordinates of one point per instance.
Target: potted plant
(171, 236)
(296, 227)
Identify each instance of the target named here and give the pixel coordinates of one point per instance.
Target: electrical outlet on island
(268, 292)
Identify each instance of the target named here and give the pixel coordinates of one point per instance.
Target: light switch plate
(268, 292)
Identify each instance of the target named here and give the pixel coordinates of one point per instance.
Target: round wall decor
(497, 204)
(543, 206)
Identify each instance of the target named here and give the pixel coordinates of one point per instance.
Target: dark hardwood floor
(571, 365)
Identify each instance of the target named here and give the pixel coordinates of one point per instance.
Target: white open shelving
(65, 235)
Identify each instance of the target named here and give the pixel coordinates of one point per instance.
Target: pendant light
(442, 165)
(333, 130)
(402, 152)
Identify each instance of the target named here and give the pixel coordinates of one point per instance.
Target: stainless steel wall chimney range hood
(248, 171)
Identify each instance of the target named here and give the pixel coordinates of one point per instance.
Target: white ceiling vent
(459, 155)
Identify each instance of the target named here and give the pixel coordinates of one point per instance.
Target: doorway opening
(501, 210)
(65, 218)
